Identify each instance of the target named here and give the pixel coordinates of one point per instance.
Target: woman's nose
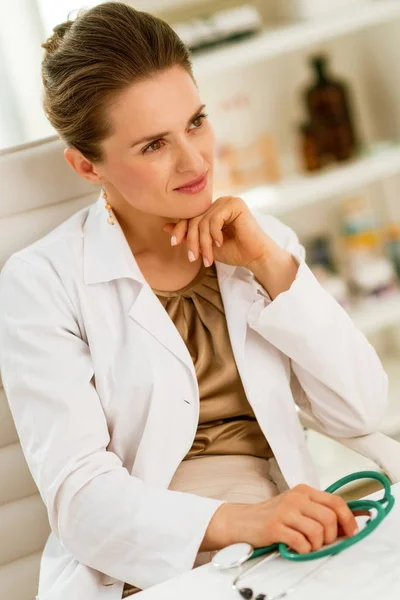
(190, 159)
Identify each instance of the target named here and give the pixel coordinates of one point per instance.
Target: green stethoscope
(238, 554)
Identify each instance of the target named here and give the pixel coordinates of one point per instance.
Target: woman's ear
(85, 169)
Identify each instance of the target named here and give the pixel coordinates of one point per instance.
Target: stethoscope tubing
(382, 507)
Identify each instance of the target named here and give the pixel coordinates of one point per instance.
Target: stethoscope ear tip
(247, 593)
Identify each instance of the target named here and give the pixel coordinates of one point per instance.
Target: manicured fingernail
(173, 241)
(206, 263)
(217, 244)
(356, 531)
(191, 256)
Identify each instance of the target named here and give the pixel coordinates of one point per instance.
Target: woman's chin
(196, 206)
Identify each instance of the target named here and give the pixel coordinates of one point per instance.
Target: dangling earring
(111, 218)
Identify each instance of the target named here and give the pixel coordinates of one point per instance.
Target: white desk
(370, 570)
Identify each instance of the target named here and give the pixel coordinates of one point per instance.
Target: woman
(153, 344)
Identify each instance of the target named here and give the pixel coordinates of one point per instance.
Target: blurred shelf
(382, 161)
(377, 314)
(276, 41)
(162, 6)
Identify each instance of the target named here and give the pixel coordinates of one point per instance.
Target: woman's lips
(194, 188)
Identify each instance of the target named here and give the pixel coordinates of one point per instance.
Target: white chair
(38, 192)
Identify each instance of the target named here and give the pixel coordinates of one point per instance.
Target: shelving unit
(276, 41)
(381, 162)
(157, 6)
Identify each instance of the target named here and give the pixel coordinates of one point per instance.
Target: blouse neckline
(168, 294)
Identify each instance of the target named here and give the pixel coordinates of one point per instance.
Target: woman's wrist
(275, 271)
(224, 527)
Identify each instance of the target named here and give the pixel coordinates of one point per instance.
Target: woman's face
(160, 142)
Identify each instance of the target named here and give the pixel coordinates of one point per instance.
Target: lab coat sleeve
(343, 384)
(106, 518)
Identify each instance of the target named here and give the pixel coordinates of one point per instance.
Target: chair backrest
(39, 191)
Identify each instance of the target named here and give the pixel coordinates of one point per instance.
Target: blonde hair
(89, 61)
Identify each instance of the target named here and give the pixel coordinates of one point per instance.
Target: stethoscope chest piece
(232, 556)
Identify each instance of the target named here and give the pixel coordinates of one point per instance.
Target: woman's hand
(226, 232)
(229, 233)
(304, 518)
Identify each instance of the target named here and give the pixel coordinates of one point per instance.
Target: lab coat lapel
(237, 291)
(238, 295)
(107, 257)
(150, 314)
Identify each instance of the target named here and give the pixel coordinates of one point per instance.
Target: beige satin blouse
(227, 424)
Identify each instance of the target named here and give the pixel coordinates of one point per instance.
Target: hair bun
(53, 42)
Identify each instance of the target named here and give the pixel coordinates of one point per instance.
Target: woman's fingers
(357, 513)
(309, 528)
(169, 227)
(199, 241)
(325, 516)
(200, 235)
(303, 518)
(216, 232)
(177, 231)
(294, 540)
(193, 239)
(321, 524)
(206, 243)
(318, 524)
(344, 516)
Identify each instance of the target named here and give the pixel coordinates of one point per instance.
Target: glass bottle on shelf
(309, 151)
(328, 104)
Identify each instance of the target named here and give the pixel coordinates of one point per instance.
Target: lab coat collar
(107, 254)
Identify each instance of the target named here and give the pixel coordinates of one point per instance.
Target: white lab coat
(105, 398)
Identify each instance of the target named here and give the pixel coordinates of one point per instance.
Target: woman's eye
(199, 120)
(151, 148)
